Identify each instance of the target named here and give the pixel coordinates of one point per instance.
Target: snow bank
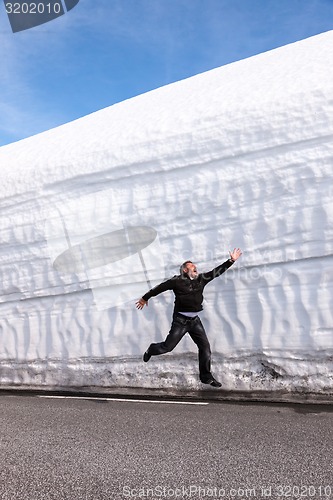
(95, 212)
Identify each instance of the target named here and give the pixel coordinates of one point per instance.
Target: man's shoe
(146, 356)
(213, 383)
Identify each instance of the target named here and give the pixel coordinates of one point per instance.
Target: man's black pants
(180, 326)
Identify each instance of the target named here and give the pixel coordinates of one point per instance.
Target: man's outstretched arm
(163, 287)
(234, 255)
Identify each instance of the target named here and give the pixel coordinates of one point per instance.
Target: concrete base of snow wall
(245, 376)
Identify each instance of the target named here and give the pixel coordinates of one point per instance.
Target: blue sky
(106, 51)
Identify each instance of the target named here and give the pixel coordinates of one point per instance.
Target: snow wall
(97, 211)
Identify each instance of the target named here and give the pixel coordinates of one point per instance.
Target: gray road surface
(82, 449)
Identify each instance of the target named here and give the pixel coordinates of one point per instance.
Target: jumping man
(188, 288)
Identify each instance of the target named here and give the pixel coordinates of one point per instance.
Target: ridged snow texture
(95, 212)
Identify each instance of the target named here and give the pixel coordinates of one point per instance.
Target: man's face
(191, 270)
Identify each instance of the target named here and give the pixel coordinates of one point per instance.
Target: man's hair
(183, 266)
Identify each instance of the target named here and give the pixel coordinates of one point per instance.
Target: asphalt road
(82, 449)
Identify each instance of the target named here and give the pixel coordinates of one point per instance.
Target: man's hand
(235, 254)
(141, 303)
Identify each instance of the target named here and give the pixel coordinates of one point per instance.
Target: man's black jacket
(189, 293)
